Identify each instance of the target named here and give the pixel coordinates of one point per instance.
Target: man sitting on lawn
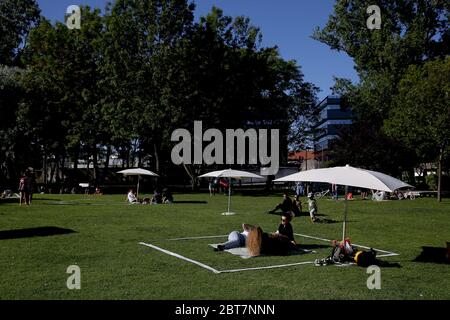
(285, 206)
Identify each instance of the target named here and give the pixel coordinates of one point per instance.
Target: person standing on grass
(312, 204)
(22, 187)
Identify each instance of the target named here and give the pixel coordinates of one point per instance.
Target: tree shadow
(433, 255)
(33, 232)
(9, 200)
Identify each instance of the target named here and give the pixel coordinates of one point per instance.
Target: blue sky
(285, 23)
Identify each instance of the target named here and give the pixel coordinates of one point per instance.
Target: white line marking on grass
(192, 238)
(180, 257)
(268, 267)
(388, 253)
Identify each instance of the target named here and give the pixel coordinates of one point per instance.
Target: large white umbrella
(348, 176)
(230, 173)
(137, 172)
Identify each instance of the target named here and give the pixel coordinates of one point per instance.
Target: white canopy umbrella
(230, 173)
(137, 172)
(348, 176)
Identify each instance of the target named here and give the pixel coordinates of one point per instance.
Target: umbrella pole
(229, 195)
(344, 227)
(137, 190)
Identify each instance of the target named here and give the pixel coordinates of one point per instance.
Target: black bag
(366, 258)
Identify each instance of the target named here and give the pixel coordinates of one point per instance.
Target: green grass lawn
(113, 265)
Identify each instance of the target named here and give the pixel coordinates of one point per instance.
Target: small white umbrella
(348, 176)
(230, 173)
(137, 172)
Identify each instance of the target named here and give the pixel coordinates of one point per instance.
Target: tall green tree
(62, 105)
(17, 17)
(411, 33)
(420, 117)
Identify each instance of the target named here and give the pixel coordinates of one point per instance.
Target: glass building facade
(333, 118)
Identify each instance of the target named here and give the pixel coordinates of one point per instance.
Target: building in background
(334, 117)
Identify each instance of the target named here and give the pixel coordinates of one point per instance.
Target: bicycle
(321, 194)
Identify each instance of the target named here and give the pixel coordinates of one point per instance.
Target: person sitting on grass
(296, 207)
(259, 242)
(131, 197)
(157, 197)
(312, 204)
(285, 229)
(167, 196)
(236, 239)
(285, 206)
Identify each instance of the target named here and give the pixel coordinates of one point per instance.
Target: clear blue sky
(285, 23)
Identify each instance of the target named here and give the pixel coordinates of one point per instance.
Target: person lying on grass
(259, 242)
(345, 252)
(236, 239)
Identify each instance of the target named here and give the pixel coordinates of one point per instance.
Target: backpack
(366, 258)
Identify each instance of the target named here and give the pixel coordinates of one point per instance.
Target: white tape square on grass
(205, 266)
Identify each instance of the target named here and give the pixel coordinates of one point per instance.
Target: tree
(17, 17)
(62, 103)
(412, 32)
(420, 117)
(10, 142)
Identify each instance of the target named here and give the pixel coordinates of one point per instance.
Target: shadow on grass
(385, 264)
(312, 246)
(433, 255)
(9, 200)
(33, 232)
(191, 202)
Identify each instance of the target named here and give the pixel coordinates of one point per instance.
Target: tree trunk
(191, 175)
(45, 169)
(156, 154)
(95, 164)
(439, 173)
(106, 169)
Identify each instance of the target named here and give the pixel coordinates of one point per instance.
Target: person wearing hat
(312, 204)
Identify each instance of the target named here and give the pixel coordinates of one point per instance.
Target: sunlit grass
(113, 265)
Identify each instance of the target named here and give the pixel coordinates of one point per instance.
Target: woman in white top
(131, 197)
